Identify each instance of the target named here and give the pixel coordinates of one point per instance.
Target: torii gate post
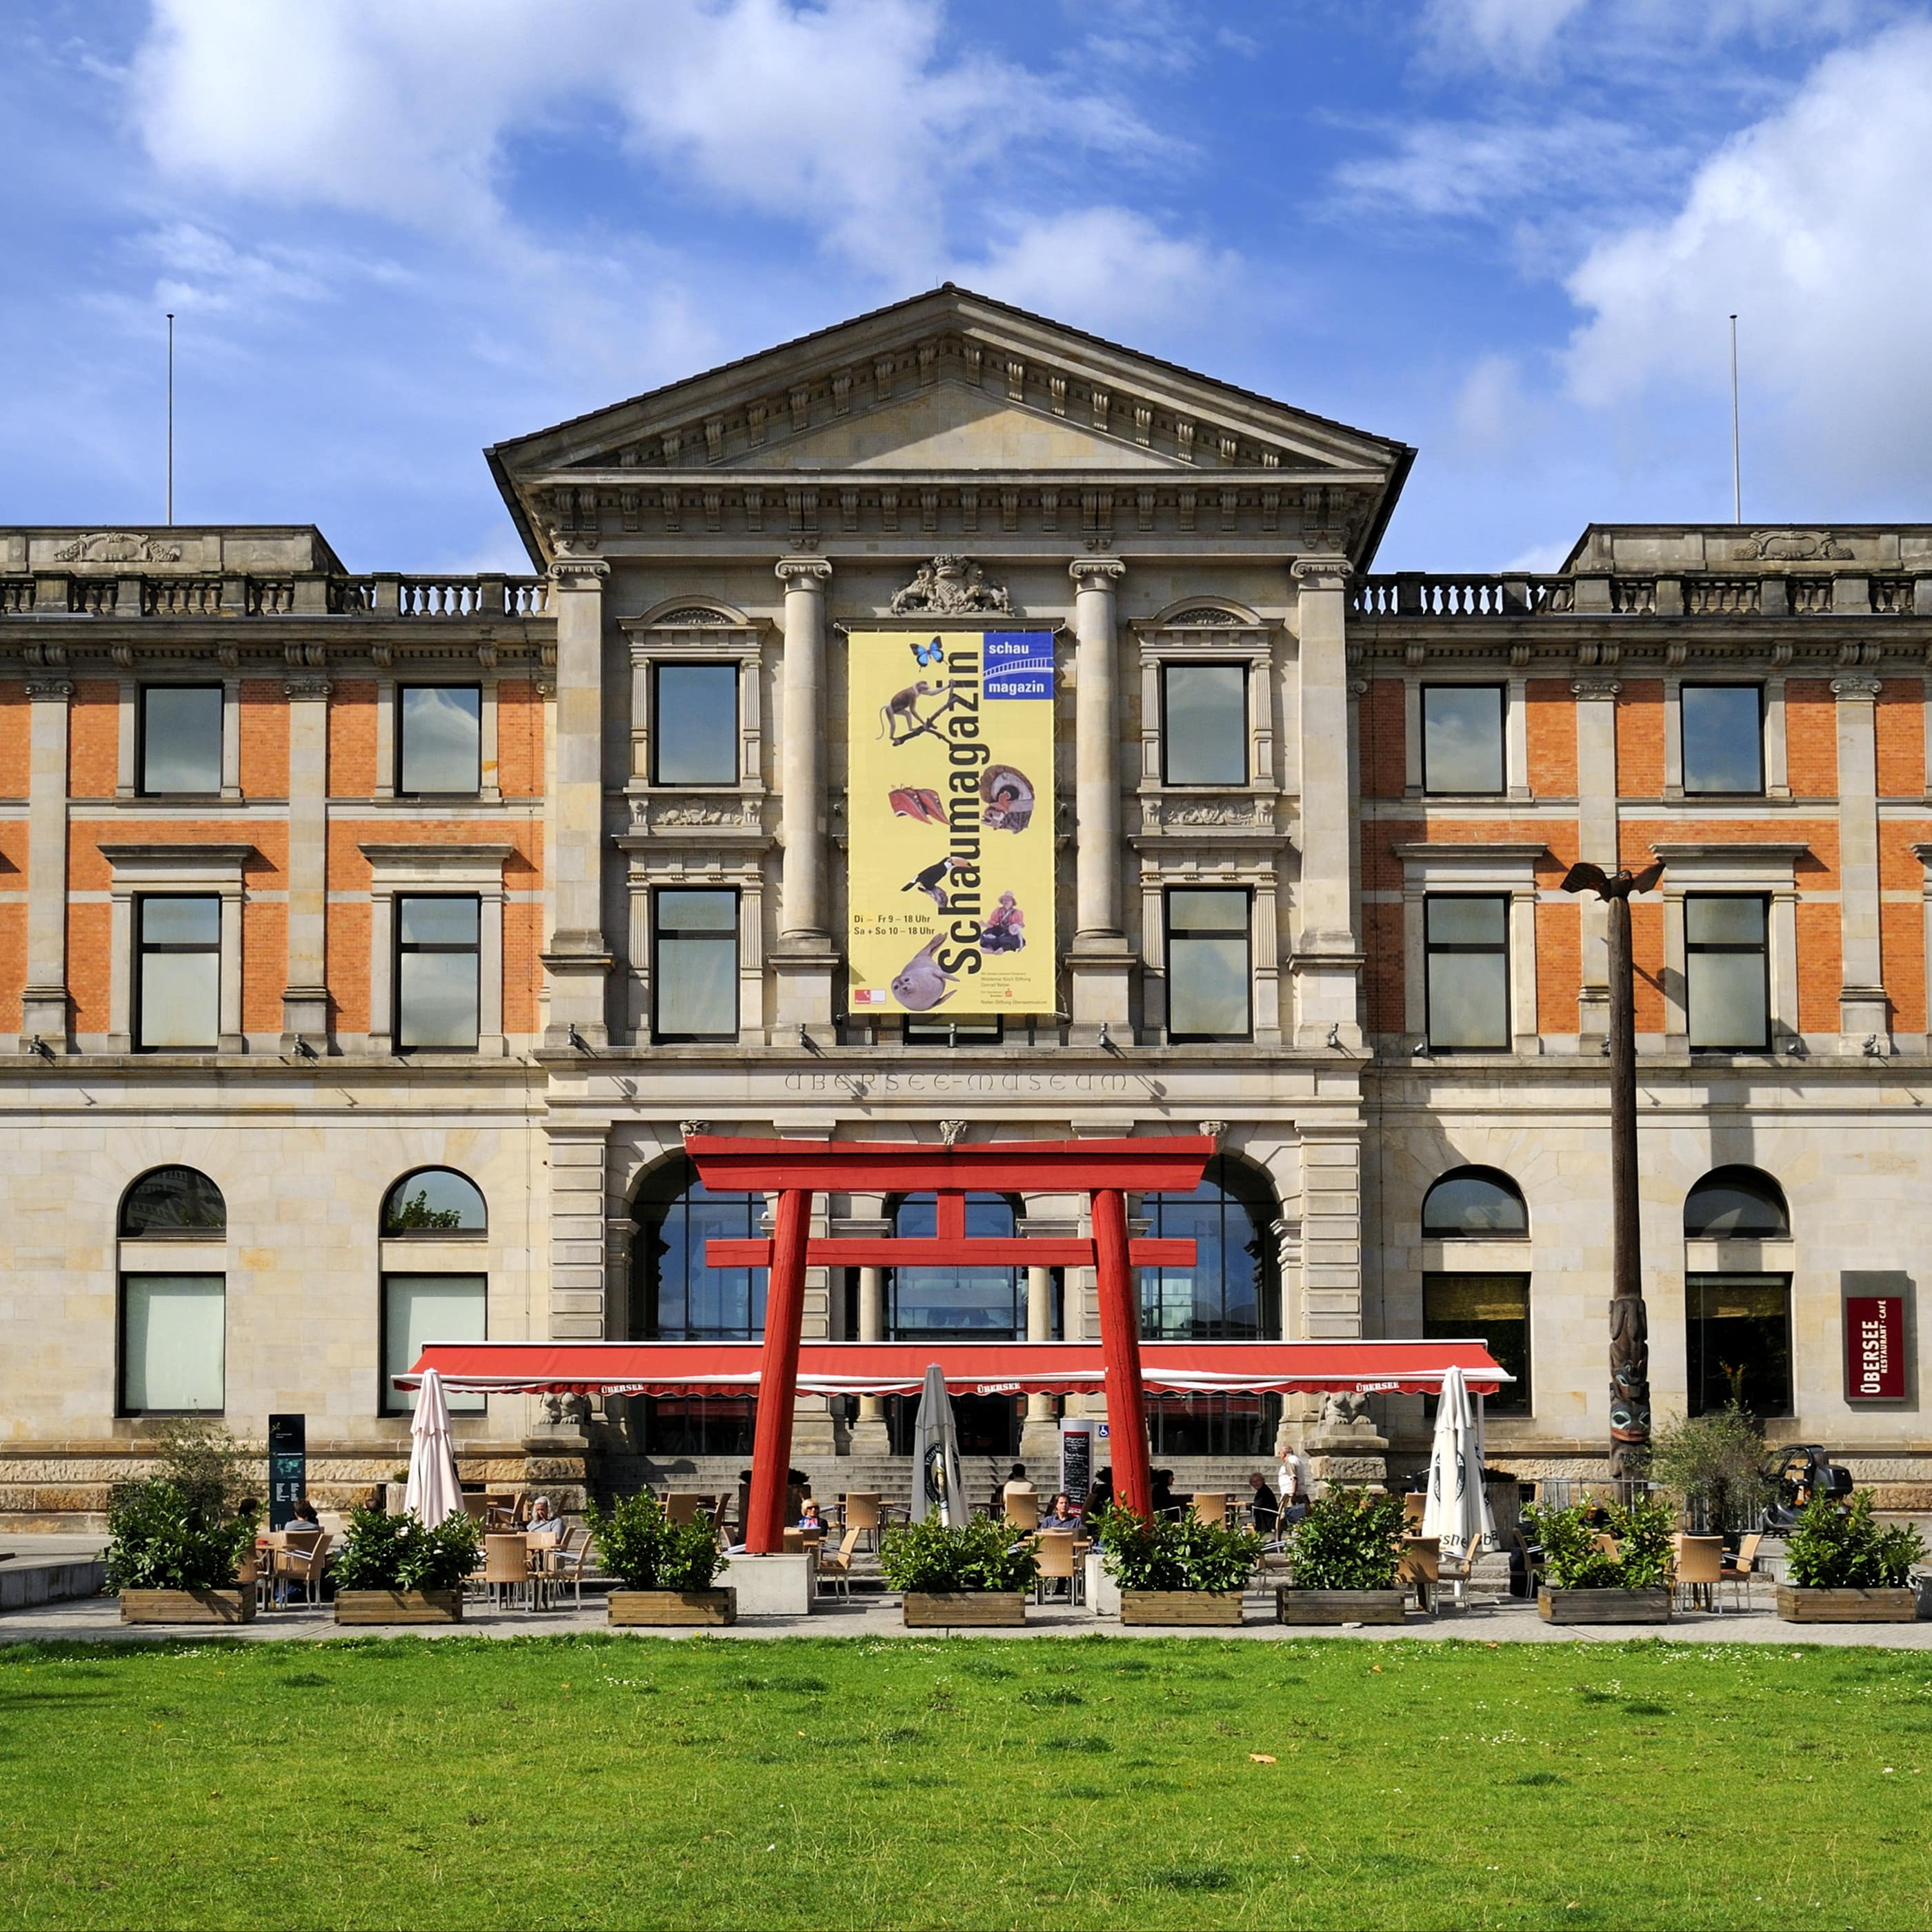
(795, 1170)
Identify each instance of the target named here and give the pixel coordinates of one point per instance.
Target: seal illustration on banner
(951, 729)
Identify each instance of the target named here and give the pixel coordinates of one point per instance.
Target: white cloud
(1815, 225)
(1508, 33)
(1525, 36)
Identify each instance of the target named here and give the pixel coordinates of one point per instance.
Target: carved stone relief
(1789, 546)
(118, 546)
(950, 587)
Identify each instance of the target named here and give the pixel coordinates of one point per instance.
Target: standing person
(1100, 1500)
(1262, 1507)
(1296, 1483)
(1162, 1500)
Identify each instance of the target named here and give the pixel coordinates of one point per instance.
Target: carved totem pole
(1629, 1327)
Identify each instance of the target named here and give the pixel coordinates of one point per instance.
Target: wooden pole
(778, 1375)
(1120, 1350)
(1630, 1344)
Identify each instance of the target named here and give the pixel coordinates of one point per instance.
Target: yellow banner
(949, 810)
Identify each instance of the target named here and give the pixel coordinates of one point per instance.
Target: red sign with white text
(1874, 1348)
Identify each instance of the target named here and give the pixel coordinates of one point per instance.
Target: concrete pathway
(1510, 1621)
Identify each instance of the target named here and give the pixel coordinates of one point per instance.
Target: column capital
(50, 687)
(1321, 572)
(1859, 690)
(1104, 572)
(804, 571)
(578, 573)
(1588, 689)
(298, 689)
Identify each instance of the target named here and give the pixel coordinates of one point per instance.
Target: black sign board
(288, 1468)
(1076, 1462)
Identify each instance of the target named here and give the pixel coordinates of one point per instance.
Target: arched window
(173, 1201)
(1474, 1203)
(1233, 1291)
(434, 1202)
(987, 1302)
(1736, 1204)
(674, 1296)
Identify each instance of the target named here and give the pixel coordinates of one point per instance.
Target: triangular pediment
(949, 385)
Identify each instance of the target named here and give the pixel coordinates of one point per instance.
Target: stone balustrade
(302, 594)
(1421, 594)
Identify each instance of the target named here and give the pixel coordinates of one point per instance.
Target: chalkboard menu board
(1076, 1458)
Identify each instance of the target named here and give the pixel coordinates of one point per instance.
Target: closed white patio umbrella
(434, 1491)
(1457, 1511)
(937, 1481)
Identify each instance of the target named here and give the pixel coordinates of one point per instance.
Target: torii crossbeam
(1106, 1172)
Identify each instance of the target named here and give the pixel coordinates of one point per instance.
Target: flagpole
(1737, 474)
(171, 416)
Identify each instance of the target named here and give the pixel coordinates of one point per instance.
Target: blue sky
(1508, 232)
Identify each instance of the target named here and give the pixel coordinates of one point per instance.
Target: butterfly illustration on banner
(927, 654)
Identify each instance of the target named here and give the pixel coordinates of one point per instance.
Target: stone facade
(1148, 517)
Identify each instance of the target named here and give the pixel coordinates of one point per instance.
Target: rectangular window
(1493, 1309)
(437, 949)
(1727, 973)
(1466, 943)
(1203, 733)
(1723, 737)
(173, 1344)
(694, 969)
(1462, 737)
(421, 1308)
(180, 739)
(976, 1029)
(178, 973)
(1740, 1341)
(438, 738)
(1207, 976)
(694, 724)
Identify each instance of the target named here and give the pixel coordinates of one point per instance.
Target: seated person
(544, 1522)
(304, 1518)
(1263, 1507)
(1059, 1515)
(809, 1517)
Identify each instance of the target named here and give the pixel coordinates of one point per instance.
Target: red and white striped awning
(971, 1368)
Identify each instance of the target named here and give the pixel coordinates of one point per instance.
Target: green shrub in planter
(931, 1557)
(1349, 1540)
(400, 1552)
(1571, 1560)
(163, 1537)
(645, 1550)
(1832, 1549)
(1163, 1553)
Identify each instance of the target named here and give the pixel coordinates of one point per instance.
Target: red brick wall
(1811, 739)
(1901, 740)
(1902, 956)
(1820, 972)
(352, 739)
(1551, 716)
(519, 738)
(93, 738)
(1380, 715)
(1559, 965)
(1640, 738)
(265, 739)
(15, 737)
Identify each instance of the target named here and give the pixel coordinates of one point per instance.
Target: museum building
(948, 727)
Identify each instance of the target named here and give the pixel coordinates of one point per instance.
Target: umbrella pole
(1120, 1350)
(778, 1375)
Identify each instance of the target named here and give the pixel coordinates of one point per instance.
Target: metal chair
(1058, 1564)
(1210, 1508)
(1420, 1570)
(302, 1563)
(506, 1569)
(862, 1512)
(1700, 1568)
(1740, 1568)
(1022, 1509)
(834, 1567)
(681, 1506)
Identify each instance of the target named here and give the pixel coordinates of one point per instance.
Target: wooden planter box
(935, 1609)
(188, 1606)
(1340, 1606)
(399, 1606)
(1180, 1606)
(1799, 1606)
(632, 1607)
(1604, 1606)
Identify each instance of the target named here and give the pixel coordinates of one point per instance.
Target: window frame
(122, 1232)
(1492, 1177)
(916, 1032)
(1763, 786)
(1169, 934)
(1500, 950)
(123, 1408)
(1516, 1398)
(1696, 1280)
(1244, 738)
(390, 1404)
(723, 668)
(1502, 692)
(1694, 948)
(386, 1233)
(715, 935)
(400, 947)
(142, 691)
(138, 1042)
(402, 692)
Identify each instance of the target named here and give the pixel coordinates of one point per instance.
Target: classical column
(1596, 845)
(868, 1431)
(574, 955)
(43, 1009)
(1039, 1436)
(305, 996)
(1864, 1015)
(1099, 963)
(1327, 961)
(804, 960)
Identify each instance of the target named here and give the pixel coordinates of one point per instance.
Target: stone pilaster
(578, 1247)
(575, 957)
(805, 961)
(1039, 1436)
(1327, 961)
(44, 1010)
(1865, 1014)
(1331, 1231)
(1597, 840)
(1099, 964)
(305, 996)
(869, 1431)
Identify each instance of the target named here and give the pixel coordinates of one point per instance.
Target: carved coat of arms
(951, 586)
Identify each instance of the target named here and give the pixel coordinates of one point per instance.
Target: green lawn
(595, 1781)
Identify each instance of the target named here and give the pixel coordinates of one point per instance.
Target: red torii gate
(1106, 1172)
